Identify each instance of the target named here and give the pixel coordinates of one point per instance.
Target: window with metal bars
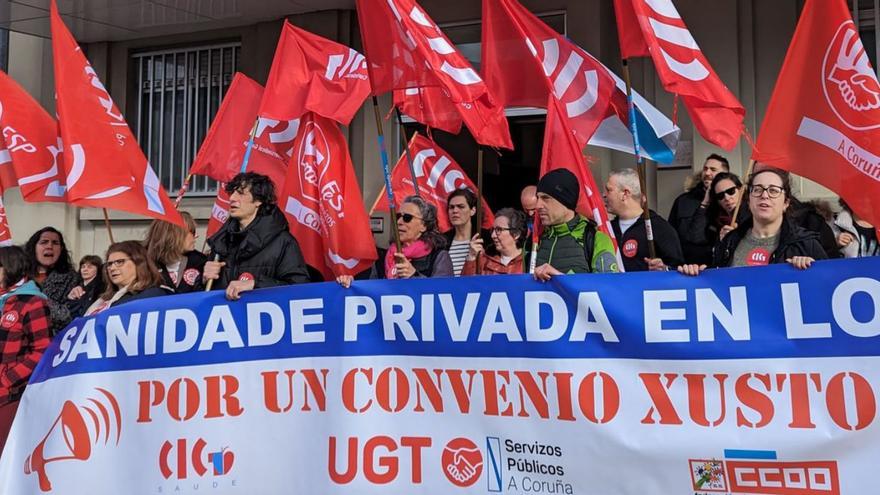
(4, 50)
(866, 15)
(179, 92)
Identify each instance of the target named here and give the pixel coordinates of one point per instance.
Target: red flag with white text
(562, 151)
(407, 50)
(323, 204)
(313, 74)
(524, 61)
(223, 149)
(103, 163)
(823, 120)
(438, 175)
(655, 28)
(29, 150)
(219, 212)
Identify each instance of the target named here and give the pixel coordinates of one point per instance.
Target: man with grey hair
(623, 198)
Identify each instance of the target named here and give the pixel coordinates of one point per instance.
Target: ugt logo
(176, 458)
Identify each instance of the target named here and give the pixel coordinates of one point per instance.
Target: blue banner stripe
(769, 455)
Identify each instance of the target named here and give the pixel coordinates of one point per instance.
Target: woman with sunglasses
(172, 249)
(424, 247)
(768, 236)
(509, 234)
(713, 215)
(132, 274)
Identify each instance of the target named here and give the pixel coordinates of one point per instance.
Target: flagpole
(183, 189)
(409, 160)
(383, 154)
(107, 224)
(640, 161)
(480, 212)
(533, 262)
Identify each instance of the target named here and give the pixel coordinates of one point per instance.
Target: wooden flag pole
(107, 224)
(640, 161)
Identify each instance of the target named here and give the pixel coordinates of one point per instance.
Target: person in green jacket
(571, 243)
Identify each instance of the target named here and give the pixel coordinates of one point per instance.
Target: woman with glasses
(172, 249)
(89, 287)
(424, 247)
(509, 234)
(768, 236)
(461, 207)
(714, 214)
(132, 276)
(24, 331)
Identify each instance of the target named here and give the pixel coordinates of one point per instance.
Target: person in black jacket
(172, 249)
(704, 227)
(623, 197)
(254, 249)
(688, 204)
(769, 237)
(89, 286)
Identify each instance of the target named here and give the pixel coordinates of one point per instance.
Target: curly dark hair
(63, 265)
(261, 187)
(16, 264)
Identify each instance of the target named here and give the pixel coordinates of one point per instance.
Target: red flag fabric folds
(29, 150)
(525, 61)
(103, 163)
(823, 120)
(223, 149)
(407, 50)
(438, 175)
(219, 212)
(323, 204)
(313, 74)
(654, 27)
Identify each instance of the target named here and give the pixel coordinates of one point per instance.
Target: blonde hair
(166, 242)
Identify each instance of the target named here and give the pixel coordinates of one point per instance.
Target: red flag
(430, 106)
(223, 149)
(323, 204)
(104, 166)
(313, 74)
(655, 27)
(561, 150)
(5, 233)
(29, 148)
(407, 50)
(438, 175)
(524, 61)
(823, 120)
(219, 212)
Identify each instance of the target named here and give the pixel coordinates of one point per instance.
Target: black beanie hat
(561, 185)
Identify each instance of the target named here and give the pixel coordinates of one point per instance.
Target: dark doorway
(505, 172)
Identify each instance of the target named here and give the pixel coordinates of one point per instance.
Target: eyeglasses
(407, 217)
(499, 230)
(117, 263)
(727, 192)
(451, 206)
(772, 191)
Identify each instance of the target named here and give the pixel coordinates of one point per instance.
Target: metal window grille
(179, 92)
(4, 50)
(866, 15)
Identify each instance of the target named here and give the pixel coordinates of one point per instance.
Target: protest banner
(738, 381)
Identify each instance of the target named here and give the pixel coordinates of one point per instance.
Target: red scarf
(413, 250)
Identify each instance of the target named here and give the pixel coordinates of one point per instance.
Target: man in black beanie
(570, 242)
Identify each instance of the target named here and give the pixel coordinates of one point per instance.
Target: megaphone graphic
(67, 439)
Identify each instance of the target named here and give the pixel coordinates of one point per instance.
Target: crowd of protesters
(718, 222)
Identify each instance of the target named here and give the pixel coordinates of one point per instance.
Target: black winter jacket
(793, 241)
(264, 250)
(191, 275)
(634, 243)
(685, 207)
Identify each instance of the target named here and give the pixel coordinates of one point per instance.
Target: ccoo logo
(850, 85)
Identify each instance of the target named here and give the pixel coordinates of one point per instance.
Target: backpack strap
(589, 242)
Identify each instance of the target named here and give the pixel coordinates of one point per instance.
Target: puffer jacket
(793, 241)
(264, 251)
(562, 246)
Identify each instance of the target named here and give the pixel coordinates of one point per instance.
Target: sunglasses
(499, 230)
(407, 217)
(727, 192)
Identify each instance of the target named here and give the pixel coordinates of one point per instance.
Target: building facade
(167, 67)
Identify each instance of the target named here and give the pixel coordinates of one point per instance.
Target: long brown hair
(146, 275)
(165, 241)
